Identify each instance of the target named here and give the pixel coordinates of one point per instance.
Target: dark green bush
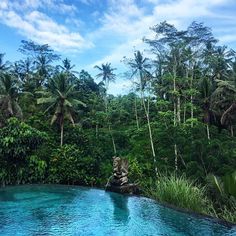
(69, 165)
(18, 141)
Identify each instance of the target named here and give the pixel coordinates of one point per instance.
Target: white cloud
(87, 2)
(228, 38)
(57, 6)
(39, 27)
(125, 19)
(122, 25)
(127, 23)
(123, 87)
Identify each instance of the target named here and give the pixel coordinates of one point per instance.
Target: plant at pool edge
(180, 192)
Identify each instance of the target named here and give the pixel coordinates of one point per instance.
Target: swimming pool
(71, 210)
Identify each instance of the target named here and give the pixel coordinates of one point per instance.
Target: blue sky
(91, 32)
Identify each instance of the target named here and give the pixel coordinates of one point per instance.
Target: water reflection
(120, 208)
(6, 196)
(54, 209)
(180, 222)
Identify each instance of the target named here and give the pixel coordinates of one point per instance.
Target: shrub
(180, 192)
(69, 165)
(228, 213)
(36, 169)
(17, 141)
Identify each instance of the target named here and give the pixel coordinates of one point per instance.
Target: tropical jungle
(176, 126)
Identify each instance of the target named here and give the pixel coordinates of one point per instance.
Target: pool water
(68, 210)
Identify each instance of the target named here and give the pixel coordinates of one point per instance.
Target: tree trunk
(208, 131)
(174, 113)
(191, 110)
(178, 110)
(62, 132)
(109, 126)
(232, 130)
(112, 138)
(150, 130)
(136, 113)
(174, 87)
(176, 157)
(191, 97)
(184, 116)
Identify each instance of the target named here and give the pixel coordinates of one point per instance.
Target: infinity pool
(65, 210)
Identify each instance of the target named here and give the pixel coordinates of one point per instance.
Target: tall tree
(4, 66)
(42, 57)
(107, 75)
(61, 98)
(206, 90)
(140, 67)
(224, 103)
(9, 92)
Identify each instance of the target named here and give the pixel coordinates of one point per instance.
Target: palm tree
(206, 90)
(43, 69)
(67, 68)
(9, 96)
(3, 66)
(61, 98)
(223, 103)
(140, 67)
(107, 75)
(26, 69)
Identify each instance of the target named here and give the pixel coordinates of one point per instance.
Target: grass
(226, 212)
(180, 192)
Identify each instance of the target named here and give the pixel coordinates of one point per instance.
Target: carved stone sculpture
(119, 180)
(120, 171)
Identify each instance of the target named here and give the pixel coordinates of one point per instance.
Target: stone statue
(120, 171)
(118, 182)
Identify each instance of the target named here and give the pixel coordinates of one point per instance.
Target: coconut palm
(26, 69)
(67, 66)
(43, 69)
(140, 66)
(9, 96)
(223, 103)
(3, 65)
(61, 97)
(107, 75)
(206, 89)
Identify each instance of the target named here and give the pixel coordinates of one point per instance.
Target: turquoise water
(65, 210)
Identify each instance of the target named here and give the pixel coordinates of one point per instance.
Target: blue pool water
(66, 210)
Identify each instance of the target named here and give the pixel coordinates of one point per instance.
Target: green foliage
(19, 139)
(135, 170)
(180, 192)
(223, 192)
(36, 169)
(185, 100)
(228, 213)
(68, 165)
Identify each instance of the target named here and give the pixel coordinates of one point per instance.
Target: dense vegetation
(176, 127)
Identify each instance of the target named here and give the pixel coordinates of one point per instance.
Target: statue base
(124, 189)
